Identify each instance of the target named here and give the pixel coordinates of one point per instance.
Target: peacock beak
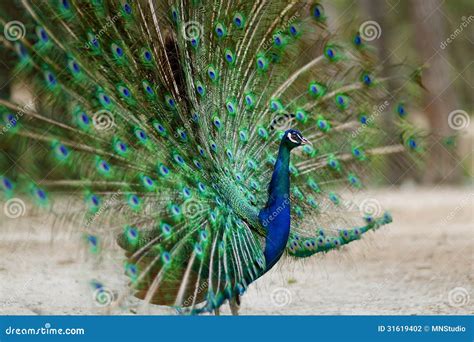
(305, 141)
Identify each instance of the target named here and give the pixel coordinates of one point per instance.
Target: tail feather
(304, 246)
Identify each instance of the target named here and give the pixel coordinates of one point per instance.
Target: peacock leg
(234, 304)
(217, 312)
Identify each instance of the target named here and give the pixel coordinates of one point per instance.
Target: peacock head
(293, 138)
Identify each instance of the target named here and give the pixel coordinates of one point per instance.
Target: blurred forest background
(435, 35)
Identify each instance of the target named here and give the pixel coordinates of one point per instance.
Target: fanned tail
(164, 118)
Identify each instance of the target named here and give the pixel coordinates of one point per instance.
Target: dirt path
(420, 264)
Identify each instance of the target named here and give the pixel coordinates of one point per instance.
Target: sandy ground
(420, 264)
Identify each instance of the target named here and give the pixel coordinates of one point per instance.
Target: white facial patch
(291, 139)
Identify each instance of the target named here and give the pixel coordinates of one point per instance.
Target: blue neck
(275, 217)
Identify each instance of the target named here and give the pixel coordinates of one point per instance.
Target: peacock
(208, 138)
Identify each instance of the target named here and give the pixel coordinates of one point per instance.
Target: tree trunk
(440, 98)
